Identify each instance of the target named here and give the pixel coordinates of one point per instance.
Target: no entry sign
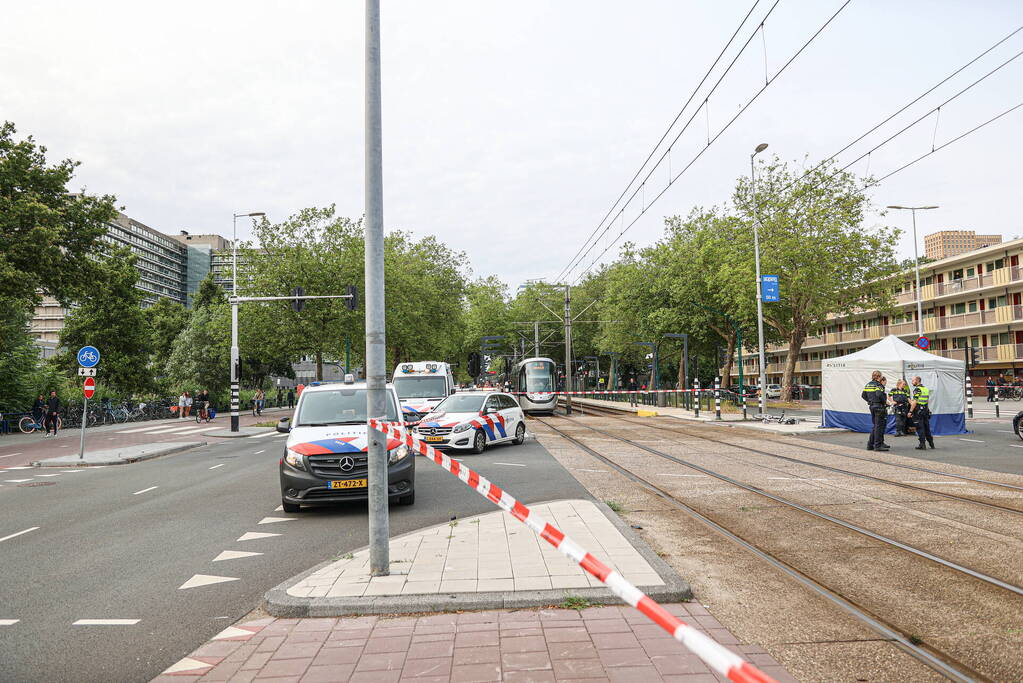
(89, 388)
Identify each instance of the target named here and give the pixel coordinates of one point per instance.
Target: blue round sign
(923, 342)
(88, 356)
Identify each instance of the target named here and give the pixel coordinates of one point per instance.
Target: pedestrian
(38, 411)
(291, 398)
(633, 400)
(899, 399)
(181, 405)
(919, 409)
(874, 395)
(260, 399)
(280, 393)
(52, 413)
(188, 404)
(990, 384)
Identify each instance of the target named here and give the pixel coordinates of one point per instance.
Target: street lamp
(760, 293)
(235, 369)
(916, 265)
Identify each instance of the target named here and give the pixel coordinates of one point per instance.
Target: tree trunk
(726, 376)
(796, 340)
(319, 365)
(682, 368)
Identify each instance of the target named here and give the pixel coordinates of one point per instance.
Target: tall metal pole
(568, 349)
(234, 324)
(916, 265)
(376, 396)
(760, 302)
(536, 338)
(81, 437)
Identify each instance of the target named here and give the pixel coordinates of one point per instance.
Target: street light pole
(916, 266)
(760, 293)
(235, 369)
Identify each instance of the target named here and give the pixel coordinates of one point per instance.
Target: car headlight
(397, 454)
(461, 428)
(294, 459)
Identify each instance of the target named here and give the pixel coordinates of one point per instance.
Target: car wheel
(290, 507)
(479, 442)
(407, 500)
(520, 434)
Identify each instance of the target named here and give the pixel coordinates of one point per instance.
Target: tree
(202, 352)
(812, 236)
(23, 375)
(47, 235)
(208, 293)
(165, 320)
(110, 317)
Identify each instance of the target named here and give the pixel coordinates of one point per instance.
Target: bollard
(696, 397)
(969, 398)
(996, 400)
(717, 398)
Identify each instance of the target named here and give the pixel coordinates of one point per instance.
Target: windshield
(460, 403)
(337, 407)
(420, 387)
(539, 376)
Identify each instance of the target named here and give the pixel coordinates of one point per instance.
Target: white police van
(421, 386)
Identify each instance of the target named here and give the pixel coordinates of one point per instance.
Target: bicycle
(28, 424)
(780, 419)
(203, 413)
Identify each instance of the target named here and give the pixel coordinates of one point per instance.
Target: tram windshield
(537, 376)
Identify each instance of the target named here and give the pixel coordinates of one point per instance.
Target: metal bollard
(996, 401)
(696, 397)
(717, 398)
(969, 398)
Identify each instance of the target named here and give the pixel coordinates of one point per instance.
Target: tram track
(939, 660)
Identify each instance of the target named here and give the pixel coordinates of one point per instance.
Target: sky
(509, 128)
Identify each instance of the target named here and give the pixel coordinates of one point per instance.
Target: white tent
(843, 379)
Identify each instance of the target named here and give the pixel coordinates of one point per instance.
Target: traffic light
(297, 304)
(353, 301)
(474, 364)
(971, 356)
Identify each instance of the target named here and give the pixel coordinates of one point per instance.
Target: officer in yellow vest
(899, 400)
(876, 399)
(919, 410)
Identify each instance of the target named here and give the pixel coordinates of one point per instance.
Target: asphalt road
(109, 546)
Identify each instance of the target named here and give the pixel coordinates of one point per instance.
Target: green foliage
(208, 293)
(23, 377)
(46, 234)
(110, 317)
(201, 355)
(165, 320)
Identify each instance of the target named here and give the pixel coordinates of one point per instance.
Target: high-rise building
(946, 243)
(201, 250)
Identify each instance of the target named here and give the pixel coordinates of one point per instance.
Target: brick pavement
(537, 645)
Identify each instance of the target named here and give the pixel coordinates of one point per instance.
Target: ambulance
(421, 386)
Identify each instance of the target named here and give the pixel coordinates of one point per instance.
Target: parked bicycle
(780, 419)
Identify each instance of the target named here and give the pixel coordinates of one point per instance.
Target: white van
(421, 386)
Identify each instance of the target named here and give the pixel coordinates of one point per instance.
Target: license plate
(347, 484)
(433, 438)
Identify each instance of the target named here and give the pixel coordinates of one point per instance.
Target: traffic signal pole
(568, 349)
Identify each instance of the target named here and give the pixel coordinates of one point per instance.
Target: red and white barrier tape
(716, 656)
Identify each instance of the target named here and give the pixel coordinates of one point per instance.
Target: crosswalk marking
(260, 436)
(233, 555)
(9, 455)
(106, 622)
(144, 490)
(142, 429)
(9, 622)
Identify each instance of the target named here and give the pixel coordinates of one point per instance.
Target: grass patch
(265, 424)
(575, 602)
(615, 507)
(346, 556)
(916, 640)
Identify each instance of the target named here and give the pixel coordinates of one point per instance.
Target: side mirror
(490, 411)
(453, 390)
(284, 425)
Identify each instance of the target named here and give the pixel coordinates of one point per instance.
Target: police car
(421, 386)
(472, 420)
(325, 454)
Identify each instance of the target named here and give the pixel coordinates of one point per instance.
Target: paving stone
(525, 661)
(476, 673)
(438, 666)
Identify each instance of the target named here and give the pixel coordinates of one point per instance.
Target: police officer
(919, 409)
(899, 399)
(875, 397)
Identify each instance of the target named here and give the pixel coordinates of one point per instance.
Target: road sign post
(88, 389)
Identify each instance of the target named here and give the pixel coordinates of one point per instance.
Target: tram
(535, 382)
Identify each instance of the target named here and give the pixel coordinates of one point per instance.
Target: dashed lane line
(258, 452)
(18, 467)
(510, 464)
(15, 535)
(9, 455)
(216, 466)
(9, 622)
(972, 440)
(144, 490)
(49, 475)
(17, 481)
(106, 622)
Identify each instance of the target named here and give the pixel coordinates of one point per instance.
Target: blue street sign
(769, 288)
(923, 342)
(88, 356)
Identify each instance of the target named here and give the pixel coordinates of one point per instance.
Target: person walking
(188, 404)
(280, 394)
(38, 411)
(260, 399)
(874, 395)
(181, 405)
(919, 409)
(899, 400)
(291, 398)
(990, 384)
(633, 401)
(53, 409)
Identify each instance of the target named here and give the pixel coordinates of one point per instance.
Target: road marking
(232, 632)
(253, 535)
(509, 464)
(279, 508)
(9, 455)
(274, 433)
(934, 482)
(184, 430)
(216, 466)
(260, 436)
(1015, 445)
(144, 490)
(7, 538)
(204, 580)
(49, 475)
(142, 429)
(577, 469)
(668, 474)
(1005, 431)
(258, 452)
(165, 430)
(973, 440)
(106, 622)
(16, 481)
(233, 555)
(9, 622)
(274, 520)
(71, 471)
(18, 467)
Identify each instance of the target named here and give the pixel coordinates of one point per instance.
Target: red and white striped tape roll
(713, 654)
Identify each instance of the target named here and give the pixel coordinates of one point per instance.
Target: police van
(421, 386)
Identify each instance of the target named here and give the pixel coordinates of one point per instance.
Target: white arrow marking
(186, 664)
(106, 622)
(9, 622)
(279, 508)
(144, 490)
(272, 520)
(204, 580)
(233, 555)
(251, 536)
(216, 466)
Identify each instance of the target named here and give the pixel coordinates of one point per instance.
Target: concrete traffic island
(242, 432)
(120, 456)
(491, 561)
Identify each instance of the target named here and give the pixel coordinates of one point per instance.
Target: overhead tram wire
(667, 130)
(705, 148)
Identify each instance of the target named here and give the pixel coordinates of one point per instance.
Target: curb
(278, 603)
(228, 434)
(121, 461)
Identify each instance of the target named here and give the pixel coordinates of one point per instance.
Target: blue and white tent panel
(843, 379)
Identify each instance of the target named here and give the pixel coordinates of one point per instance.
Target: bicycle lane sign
(88, 356)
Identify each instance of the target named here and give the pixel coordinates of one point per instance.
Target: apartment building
(970, 299)
(946, 243)
(201, 250)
